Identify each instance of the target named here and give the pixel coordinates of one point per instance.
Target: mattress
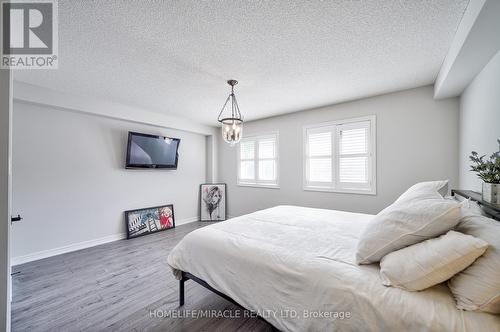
(296, 267)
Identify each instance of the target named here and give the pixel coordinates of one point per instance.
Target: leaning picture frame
(213, 202)
(150, 220)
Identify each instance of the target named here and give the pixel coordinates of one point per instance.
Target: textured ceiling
(175, 56)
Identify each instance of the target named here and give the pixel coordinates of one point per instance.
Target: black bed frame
(185, 276)
(492, 210)
(188, 276)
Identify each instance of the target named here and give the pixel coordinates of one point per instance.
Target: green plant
(488, 170)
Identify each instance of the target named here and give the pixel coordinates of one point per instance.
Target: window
(258, 161)
(340, 156)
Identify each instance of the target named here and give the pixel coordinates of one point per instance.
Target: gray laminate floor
(116, 287)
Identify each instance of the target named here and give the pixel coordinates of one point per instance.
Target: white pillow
(429, 189)
(430, 262)
(406, 223)
(478, 286)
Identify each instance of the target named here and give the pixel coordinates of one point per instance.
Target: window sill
(372, 192)
(256, 185)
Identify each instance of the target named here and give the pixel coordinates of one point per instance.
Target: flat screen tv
(151, 151)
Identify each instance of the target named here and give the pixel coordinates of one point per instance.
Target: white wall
(417, 140)
(479, 120)
(70, 184)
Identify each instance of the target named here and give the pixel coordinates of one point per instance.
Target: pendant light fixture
(230, 118)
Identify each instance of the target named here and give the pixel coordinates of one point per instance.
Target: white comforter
(289, 262)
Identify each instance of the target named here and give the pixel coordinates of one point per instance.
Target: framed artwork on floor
(213, 202)
(149, 220)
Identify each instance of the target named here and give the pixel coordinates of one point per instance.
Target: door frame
(6, 97)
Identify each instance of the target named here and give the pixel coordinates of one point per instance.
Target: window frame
(256, 138)
(335, 185)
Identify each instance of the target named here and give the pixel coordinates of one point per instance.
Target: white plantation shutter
(247, 150)
(247, 160)
(353, 170)
(320, 143)
(353, 159)
(267, 147)
(267, 170)
(319, 155)
(258, 160)
(247, 170)
(354, 140)
(339, 156)
(267, 162)
(320, 170)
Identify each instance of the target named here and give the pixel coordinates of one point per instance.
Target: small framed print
(149, 220)
(213, 202)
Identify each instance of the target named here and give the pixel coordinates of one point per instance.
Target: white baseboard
(69, 248)
(186, 221)
(80, 245)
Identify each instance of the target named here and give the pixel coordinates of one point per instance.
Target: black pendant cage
(235, 109)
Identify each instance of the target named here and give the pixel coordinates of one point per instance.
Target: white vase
(491, 192)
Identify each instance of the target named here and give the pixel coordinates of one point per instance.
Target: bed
(295, 267)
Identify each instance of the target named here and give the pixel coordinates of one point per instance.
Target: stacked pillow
(478, 286)
(430, 262)
(418, 244)
(429, 189)
(419, 214)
